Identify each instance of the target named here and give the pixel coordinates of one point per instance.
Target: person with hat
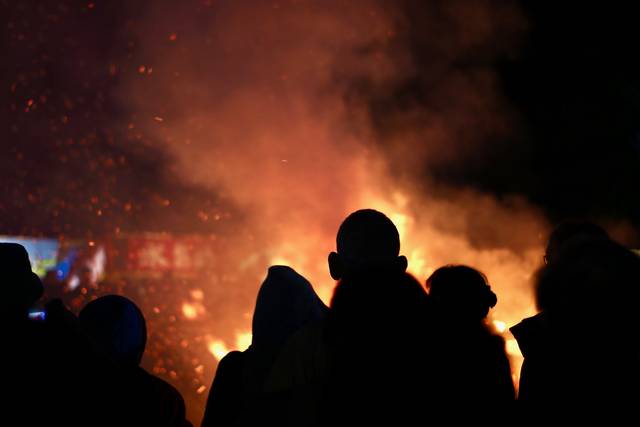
(48, 369)
(21, 286)
(23, 340)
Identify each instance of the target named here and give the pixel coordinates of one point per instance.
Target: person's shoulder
(160, 386)
(230, 367)
(232, 356)
(232, 359)
(167, 399)
(528, 325)
(530, 332)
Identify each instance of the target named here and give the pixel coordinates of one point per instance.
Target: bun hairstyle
(461, 291)
(491, 297)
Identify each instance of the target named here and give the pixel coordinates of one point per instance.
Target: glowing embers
(243, 340)
(194, 308)
(189, 310)
(218, 348)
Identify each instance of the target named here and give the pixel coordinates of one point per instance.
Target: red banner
(160, 254)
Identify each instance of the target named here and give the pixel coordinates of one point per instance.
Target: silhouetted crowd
(177, 346)
(387, 350)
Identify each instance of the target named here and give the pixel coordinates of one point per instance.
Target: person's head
(117, 327)
(593, 278)
(461, 293)
(567, 235)
(568, 231)
(286, 301)
(21, 287)
(367, 241)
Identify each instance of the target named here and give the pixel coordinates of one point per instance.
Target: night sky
(63, 171)
(74, 164)
(572, 83)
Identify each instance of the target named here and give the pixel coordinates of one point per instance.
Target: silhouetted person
(375, 302)
(533, 333)
(568, 230)
(23, 340)
(367, 244)
(471, 366)
(565, 233)
(584, 361)
(315, 364)
(42, 358)
(377, 334)
(21, 287)
(117, 328)
(286, 302)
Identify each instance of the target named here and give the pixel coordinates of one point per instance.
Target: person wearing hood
(286, 302)
(117, 329)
